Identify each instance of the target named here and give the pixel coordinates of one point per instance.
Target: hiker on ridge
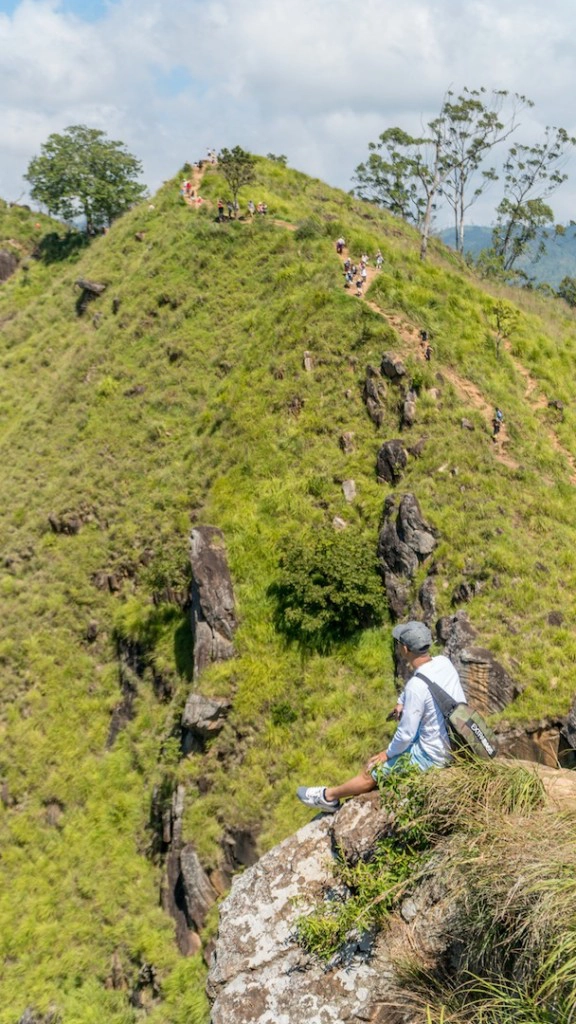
(421, 738)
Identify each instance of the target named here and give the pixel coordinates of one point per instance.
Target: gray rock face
(391, 461)
(8, 264)
(486, 683)
(212, 599)
(405, 541)
(199, 894)
(359, 826)
(349, 490)
(392, 367)
(259, 975)
(409, 409)
(204, 716)
(373, 395)
(427, 599)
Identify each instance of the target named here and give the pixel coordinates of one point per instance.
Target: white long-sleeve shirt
(421, 717)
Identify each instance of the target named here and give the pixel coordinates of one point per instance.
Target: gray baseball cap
(414, 635)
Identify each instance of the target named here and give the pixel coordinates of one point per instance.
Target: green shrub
(328, 589)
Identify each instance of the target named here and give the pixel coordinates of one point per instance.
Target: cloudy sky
(314, 79)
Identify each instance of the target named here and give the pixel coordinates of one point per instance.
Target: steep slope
(181, 396)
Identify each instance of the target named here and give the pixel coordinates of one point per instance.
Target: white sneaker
(315, 796)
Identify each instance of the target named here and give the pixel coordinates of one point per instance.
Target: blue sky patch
(88, 10)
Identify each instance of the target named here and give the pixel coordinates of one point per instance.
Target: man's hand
(377, 759)
(396, 713)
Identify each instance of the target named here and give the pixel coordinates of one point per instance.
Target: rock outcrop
(391, 462)
(392, 367)
(260, 975)
(8, 264)
(488, 685)
(202, 718)
(405, 541)
(212, 599)
(373, 395)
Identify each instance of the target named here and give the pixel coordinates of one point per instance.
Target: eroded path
(410, 335)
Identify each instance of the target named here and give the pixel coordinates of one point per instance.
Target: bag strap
(445, 702)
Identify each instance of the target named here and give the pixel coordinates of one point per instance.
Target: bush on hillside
(311, 227)
(328, 589)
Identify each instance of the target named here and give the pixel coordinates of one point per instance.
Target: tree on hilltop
(413, 173)
(82, 173)
(238, 167)
(531, 175)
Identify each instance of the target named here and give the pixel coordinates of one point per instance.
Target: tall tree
(531, 175)
(473, 128)
(238, 167)
(409, 175)
(83, 173)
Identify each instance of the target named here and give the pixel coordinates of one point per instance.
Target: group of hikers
(353, 272)
(233, 209)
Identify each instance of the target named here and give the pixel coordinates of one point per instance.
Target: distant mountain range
(559, 260)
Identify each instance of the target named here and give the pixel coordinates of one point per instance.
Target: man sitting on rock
(421, 734)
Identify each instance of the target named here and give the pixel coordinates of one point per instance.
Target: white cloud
(315, 79)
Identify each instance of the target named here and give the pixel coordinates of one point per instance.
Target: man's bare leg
(363, 783)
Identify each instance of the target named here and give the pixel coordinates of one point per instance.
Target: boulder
(427, 599)
(212, 599)
(260, 975)
(8, 264)
(199, 894)
(405, 541)
(391, 462)
(466, 424)
(349, 489)
(417, 449)
(202, 717)
(487, 684)
(346, 442)
(373, 395)
(93, 287)
(392, 367)
(359, 826)
(409, 409)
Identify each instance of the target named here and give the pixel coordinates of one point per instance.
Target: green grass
(177, 409)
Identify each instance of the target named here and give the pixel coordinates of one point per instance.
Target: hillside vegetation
(179, 397)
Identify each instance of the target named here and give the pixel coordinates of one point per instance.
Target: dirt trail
(411, 336)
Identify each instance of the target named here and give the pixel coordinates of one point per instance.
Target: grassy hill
(179, 397)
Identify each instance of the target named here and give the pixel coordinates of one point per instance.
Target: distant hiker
(251, 208)
(340, 243)
(347, 265)
(364, 260)
(497, 421)
(230, 208)
(359, 284)
(220, 209)
(264, 208)
(421, 738)
(354, 269)
(428, 352)
(379, 260)
(364, 275)
(423, 337)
